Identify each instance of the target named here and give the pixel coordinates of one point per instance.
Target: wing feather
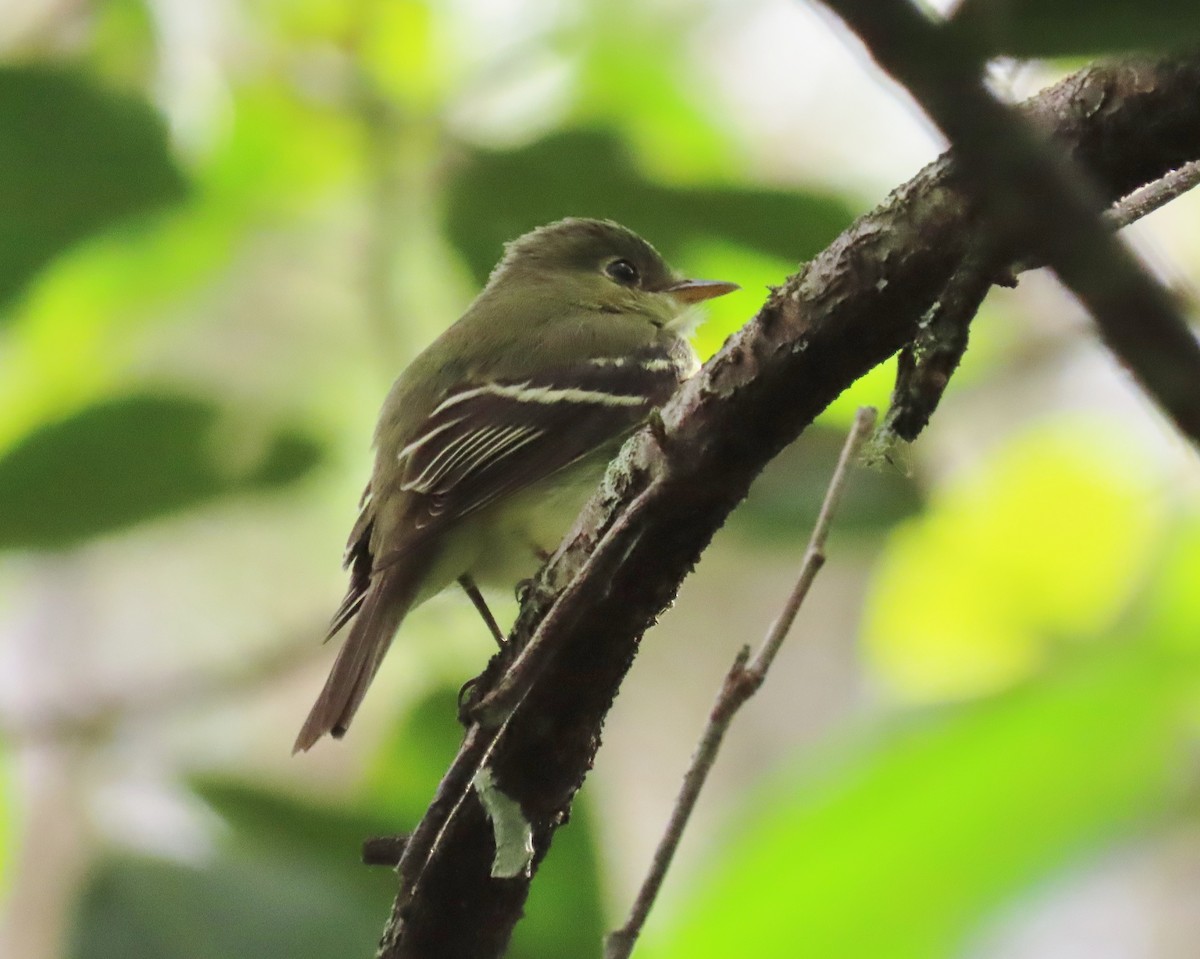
(484, 440)
(487, 439)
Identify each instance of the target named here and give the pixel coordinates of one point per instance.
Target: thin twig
(926, 365)
(1140, 203)
(1149, 198)
(449, 792)
(745, 677)
(383, 850)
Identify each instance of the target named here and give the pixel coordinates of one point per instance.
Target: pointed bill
(696, 291)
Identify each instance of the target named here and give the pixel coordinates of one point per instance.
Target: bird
(491, 440)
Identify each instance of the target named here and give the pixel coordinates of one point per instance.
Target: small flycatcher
(492, 439)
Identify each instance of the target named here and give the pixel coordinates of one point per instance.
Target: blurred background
(226, 226)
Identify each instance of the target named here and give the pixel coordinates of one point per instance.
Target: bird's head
(601, 265)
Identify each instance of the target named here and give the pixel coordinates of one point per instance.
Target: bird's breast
(512, 539)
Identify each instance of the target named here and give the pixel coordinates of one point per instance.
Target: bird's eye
(623, 272)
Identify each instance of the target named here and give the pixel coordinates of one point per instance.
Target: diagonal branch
(849, 309)
(1153, 196)
(1034, 200)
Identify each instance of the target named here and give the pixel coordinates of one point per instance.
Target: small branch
(1140, 203)
(744, 679)
(1152, 196)
(926, 365)
(814, 557)
(420, 843)
(1034, 199)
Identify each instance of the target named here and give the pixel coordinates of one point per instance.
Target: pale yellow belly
(500, 546)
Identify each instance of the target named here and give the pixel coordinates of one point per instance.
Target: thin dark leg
(472, 591)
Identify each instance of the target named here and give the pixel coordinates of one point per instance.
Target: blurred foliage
(266, 822)
(931, 829)
(1171, 595)
(81, 321)
(127, 460)
(286, 899)
(565, 914)
(286, 878)
(123, 42)
(9, 818)
(1043, 546)
(1063, 28)
(76, 159)
(1037, 608)
(784, 502)
(905, 846)
(411, 760)
(928, 830)
(495, 196)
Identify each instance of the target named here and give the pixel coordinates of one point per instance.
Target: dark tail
(388, 599)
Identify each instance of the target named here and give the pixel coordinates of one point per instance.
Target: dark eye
(623, 272)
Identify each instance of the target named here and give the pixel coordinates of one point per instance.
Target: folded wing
(483, 441)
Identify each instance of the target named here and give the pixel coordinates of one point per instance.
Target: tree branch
(926, 365)
(1035, 200)
(853, 306)
(1153, 196)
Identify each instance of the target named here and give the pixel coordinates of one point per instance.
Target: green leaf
(496, 196)
(907, 845)
(75, 159)
(127, 460)
(137, 908)
(286, 882)
(267, 824)
(1076, 28)
(1044, 543)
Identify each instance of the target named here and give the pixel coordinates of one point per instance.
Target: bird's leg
(658, 429)
(472, 591)
(521, 590)
(523, 587)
